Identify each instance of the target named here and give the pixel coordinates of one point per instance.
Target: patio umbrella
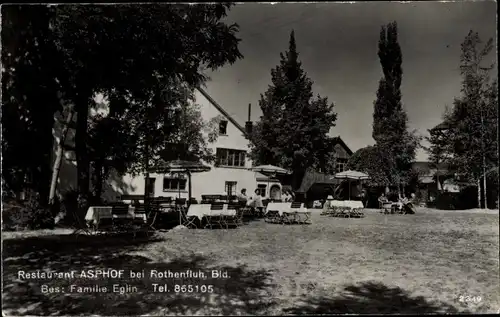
(271, 170)
(351, 175)
(181, 166)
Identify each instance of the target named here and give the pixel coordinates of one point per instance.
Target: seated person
(382, 199)
(328, 202)
(256, 201)
(408, 206)
(242, 197)
(286, 196)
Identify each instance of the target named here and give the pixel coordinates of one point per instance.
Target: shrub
(14, 216)
(29, 214)
(40, 217)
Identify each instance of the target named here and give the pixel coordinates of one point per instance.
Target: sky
(337, 45)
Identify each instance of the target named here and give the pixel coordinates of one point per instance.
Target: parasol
(351, 175)
(271, 170)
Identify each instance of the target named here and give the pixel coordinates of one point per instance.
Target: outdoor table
(344, 207)
(203, 210)
(279, 207)
(96, 213)
(285, 211)
(299, 216)
(354, 204)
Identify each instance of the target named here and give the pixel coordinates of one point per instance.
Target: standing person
(363, 197)
(256, 202)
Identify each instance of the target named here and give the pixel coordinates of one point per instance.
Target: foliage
(168, 130)
(111, 147)
(472, 123)
(390, 121)
(132, 54)
(372, 161)
(139, 53)
(439, 150)
(30, 98)
(29, 214)
(294, 126)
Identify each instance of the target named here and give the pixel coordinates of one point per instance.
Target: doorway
(275, 192)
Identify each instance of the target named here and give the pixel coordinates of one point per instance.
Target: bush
(29, 214)
(40, 217)
(14, 216)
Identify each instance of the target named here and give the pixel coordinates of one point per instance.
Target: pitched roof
(311, 177)
(442, 126)
(221, 110)
(426, 167)
(338, 140)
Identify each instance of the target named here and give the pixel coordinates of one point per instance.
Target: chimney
(249, 124)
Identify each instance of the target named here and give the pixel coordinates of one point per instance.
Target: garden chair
(339, 209)
(273, 216)
(386, 207)
(236, 220)
(144, 222)
(120, 218)
(188, 221)
(152, 216)
(216, 219)
(290, 216)
(296, 209)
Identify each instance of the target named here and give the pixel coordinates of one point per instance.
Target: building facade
(228, 175)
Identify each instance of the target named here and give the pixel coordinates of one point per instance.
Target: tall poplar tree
(390, 121)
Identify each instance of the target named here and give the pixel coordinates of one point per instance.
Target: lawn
(430, 262)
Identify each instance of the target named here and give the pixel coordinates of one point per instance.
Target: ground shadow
(244, 291)
(370, 298)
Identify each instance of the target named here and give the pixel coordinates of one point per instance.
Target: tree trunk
(479, 193)
(82, 156)
(146, 174)
(59, 156)
(484, 188)
(98, 179)
(190, 189)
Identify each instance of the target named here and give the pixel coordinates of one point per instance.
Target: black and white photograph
(269, 158)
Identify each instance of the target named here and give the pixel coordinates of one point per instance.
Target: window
(223, 127)
(231, 188)
(262, 189)
(340, 165)
(230, 158)
(150, 186)
(170, 183)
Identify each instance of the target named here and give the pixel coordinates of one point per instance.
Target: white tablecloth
(285, 207)
(351, 204)
(203, 210)
(95, 213)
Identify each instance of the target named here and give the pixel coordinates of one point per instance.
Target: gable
(341, 149)
(214, 104)
(210, 109)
